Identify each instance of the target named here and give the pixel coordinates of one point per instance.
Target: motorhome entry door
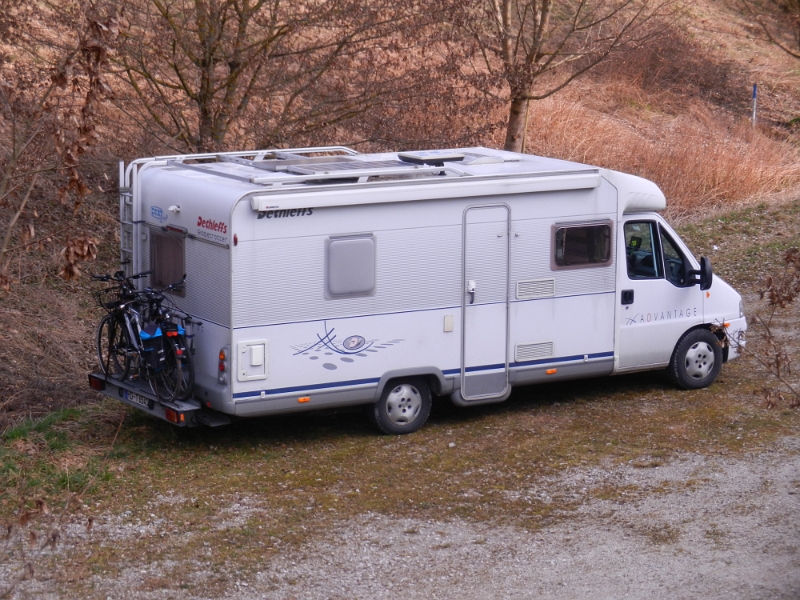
(485, 301)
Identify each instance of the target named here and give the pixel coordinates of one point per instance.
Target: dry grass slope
(676, 112)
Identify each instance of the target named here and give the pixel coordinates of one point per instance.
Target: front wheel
(113, 347)
(696, 361)
(403, 407)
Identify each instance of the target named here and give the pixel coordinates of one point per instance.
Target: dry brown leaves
(780, 292)
(76, 251)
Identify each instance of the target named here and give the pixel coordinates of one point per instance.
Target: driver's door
(659, 303)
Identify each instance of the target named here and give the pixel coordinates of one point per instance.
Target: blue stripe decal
(577, 357)
(303, 388)
(353, 382)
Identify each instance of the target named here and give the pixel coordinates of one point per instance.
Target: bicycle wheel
(113, 347)
(166, 381)
(187, 369)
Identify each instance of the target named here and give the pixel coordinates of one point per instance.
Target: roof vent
(433, 158)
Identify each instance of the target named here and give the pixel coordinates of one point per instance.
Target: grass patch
(744, 245)
(660, 535)
(57, 454)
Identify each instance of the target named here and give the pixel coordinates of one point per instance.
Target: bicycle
(131, 344)
(177, 326)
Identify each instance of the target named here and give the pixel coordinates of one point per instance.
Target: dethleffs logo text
(217, 226)
(280, 214)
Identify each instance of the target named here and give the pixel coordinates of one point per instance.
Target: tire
(166, 382)
(113, 348)
(404, 407)
(187, 370)
(696, 361)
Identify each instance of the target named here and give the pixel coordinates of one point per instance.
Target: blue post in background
(755, 100)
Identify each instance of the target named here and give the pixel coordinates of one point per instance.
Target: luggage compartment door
(485, 302)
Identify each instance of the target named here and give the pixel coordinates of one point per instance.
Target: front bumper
(736, 332)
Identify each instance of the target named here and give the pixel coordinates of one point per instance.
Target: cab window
(641, 250)
(674, 262)
(653, 254)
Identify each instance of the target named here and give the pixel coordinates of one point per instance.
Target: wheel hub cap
(403, 404)
(699, 360)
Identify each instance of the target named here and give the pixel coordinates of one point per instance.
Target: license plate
(140, 400)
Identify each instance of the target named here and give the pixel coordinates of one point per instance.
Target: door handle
(471, 290)
(627, 296)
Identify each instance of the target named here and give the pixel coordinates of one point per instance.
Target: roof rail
(259, 154)
(362, 175)
(293, 168)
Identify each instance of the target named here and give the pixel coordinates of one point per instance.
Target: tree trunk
(205, 130)
(517, 121)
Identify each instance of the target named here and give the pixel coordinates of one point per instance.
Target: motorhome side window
(167, 261)
(350, 266)
(584, 245)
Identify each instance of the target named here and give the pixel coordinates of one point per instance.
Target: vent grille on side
(526, 352)
(536, 288)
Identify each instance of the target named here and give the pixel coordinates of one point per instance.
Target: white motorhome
(324, 277)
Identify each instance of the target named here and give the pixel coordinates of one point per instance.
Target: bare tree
(527, 50)
(780, 23)
(211, 73)
(46, 109)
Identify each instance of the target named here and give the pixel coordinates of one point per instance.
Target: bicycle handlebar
(171, 287)
(119, 276)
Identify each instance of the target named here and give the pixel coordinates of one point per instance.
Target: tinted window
(582, 245)
(640, 250)
(167, 260)
(673, 261)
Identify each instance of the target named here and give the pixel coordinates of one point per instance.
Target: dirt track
(695, 527)
(702, 527)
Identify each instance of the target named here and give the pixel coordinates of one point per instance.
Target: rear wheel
(166, 381)
(113, 347)
(696, 361)
(187, 369)
(403, 407)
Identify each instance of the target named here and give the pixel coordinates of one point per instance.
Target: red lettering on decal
(219, 226)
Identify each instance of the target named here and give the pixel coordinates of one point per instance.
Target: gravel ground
(702, 527)
(696, 527)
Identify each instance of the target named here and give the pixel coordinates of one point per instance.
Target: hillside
(676, 111)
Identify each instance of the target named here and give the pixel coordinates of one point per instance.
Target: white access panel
(253, 360)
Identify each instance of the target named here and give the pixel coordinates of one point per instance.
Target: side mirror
(704, 275)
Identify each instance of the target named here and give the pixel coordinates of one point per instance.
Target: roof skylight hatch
(437, 158)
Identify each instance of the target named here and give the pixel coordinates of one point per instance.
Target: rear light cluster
(224, 365)
(174, 416)
(96, 383)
